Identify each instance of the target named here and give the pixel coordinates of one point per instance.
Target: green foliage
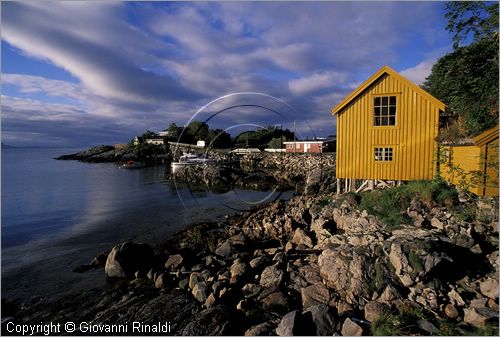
(219, 139)
(467, 78)
(148, 134)
(471, 17)
(388, 325)
(390, 205)
(415, 263)
(261, 138)
(173, 131)
(380, 276)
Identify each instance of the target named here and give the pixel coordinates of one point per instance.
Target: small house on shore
(310, 146)
(473, 164)
(386, 131)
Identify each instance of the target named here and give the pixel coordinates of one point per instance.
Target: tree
(148, 134)
(467, 78)
(173, 131)
(197, 131)
(219, 139)
(466, 17)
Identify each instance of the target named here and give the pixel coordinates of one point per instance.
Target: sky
(79, 74)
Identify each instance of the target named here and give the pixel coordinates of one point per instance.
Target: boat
(191, 159)
(131, 164)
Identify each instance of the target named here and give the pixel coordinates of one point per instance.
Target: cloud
(143, 65)
(419, 73)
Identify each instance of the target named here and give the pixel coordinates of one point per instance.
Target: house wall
(412, 138)
(304, 148)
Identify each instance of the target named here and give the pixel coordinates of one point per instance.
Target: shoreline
(281, 269)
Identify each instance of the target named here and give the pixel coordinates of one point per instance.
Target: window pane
(392, 120)
(392, 100)
(377, 111)
(377, 101)
(385, 111)
(384, 100)
(392, 111)
(377, 121)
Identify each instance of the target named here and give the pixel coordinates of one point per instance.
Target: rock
(288, 247)
(479, 317)
(174, 261)
(99, 260)
(389, 294)
(161, 281)
(127, 258)
(211, 322)
(350, 328)
(374, 310)
(287, 325)
(255, 263)
(194, 279)
(225, 249)
(263, 329)
(314, 294)
(238, 268)
(323, 323)
(210, 301)
(436, 223)
(279, 257)
(151, 274)
(455, 298)
(275, 302)
(311, 274)
(478, 303)
(343, 308)
(300, 237)
(489, 288)
(251, 290)
(200, 292)
(271, 276)
(184, 283)
(427, 327)
(82, 268)
(451, 311)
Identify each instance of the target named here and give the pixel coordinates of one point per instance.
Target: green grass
(390, 205)
(415, 263)
(387, 326)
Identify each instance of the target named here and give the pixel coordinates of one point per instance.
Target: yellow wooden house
(386, 132)
(473, 165)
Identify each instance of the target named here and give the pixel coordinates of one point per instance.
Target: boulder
(210, 301)
(161, 281)
(127, 258)
(210, 322)
(194, 279)
(200, 292)
(271, 276)
(225, 249)
(251, 290)
(436, 223)
(263, 329)
(321, 320)
(255, 263)
(451, 311)
(314, 294)
(374, 310)
(300, 237)
(238, 268)
(479, 317)
(275, 302)
(174, 261)
(350, 328)
(287, 325)
(489, 288)
(99, 260)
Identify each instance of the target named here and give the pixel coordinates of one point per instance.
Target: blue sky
(88, 73)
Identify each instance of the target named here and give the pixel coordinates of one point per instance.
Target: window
(383, 154)
(384, 112)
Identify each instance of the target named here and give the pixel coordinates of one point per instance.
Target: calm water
(57, 215)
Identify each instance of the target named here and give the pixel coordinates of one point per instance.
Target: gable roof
(486, 137)
(376, 76)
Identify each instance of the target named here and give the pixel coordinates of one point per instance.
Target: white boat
(133, 165)
(191, 159)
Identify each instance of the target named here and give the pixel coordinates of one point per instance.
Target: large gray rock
(225, 249)
(263, 329)
(238, 268)
(271, 276)
(479, 317)
(350, 328)
(200, 292)
(287, 325)
(127, 258)
(323, 323)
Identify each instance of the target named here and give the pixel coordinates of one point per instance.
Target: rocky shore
(314, 265)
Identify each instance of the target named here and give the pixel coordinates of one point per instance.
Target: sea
(57, 215)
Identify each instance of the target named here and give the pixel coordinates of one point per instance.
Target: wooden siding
(412, 138)
(474, 167)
